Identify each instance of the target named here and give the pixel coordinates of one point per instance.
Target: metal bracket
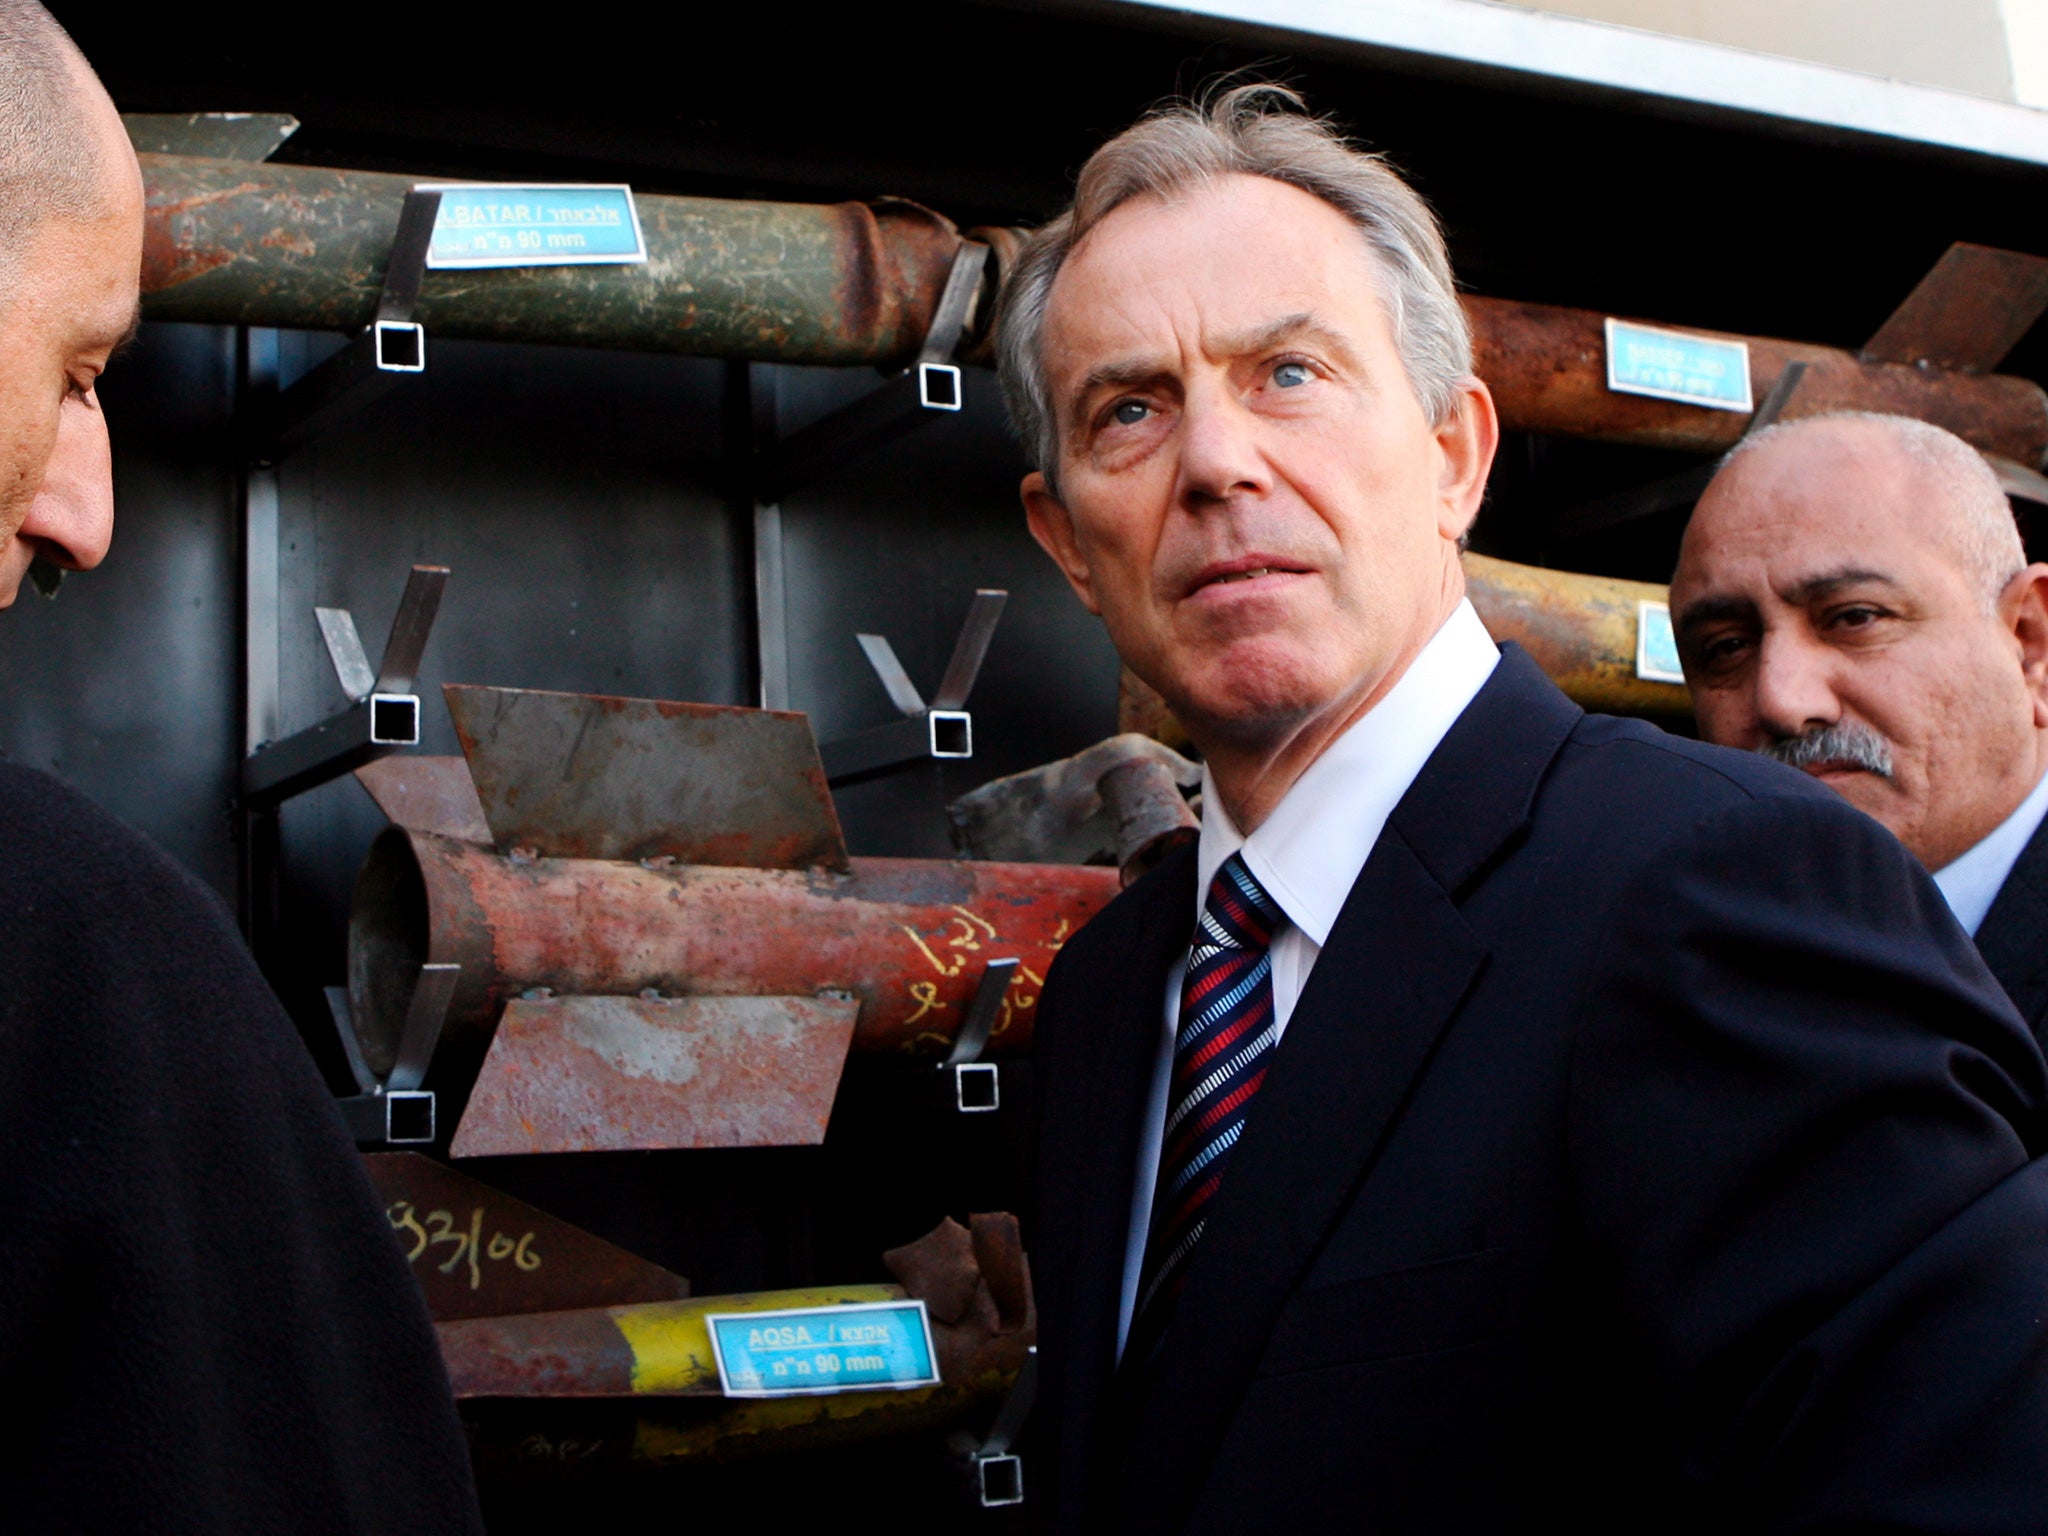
(931, 386)
(999, 1471)
(383, 713)
(977, 1085)
(387, 349)
(940, 729)
(394, 1109)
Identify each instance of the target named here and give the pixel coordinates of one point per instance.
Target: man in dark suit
(1853, 599)
(1501, 1116)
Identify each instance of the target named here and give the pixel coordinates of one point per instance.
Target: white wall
(1995, 48)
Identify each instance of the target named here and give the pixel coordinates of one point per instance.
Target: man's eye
(1290, 375)
(1721, 650)
(1856, 618)
(1129, 413)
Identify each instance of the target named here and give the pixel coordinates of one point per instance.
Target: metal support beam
(941, 729)
(376, 722)
(391, 347)
(394, 1109)
(930, 389)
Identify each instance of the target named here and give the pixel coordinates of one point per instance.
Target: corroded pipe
(908, 937)
(975, 1284)
(234, 243)
(1579, 629)
(1547, 368)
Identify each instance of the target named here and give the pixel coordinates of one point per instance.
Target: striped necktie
(1221, 1049)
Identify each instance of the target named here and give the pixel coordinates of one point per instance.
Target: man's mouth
(1238, 572)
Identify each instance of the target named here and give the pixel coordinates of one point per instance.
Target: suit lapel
(1113, 1064)
(1398, 962)
(2013, 938)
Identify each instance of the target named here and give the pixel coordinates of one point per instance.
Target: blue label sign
(1656, 645)
(1672, 365)
(534, 226)
(823, 1349)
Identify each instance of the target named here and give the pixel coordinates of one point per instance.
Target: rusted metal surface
(301, 246)
(974, 1281)
(1547, 368)
(907, 937)
(249, 136)
(658, 1349)
(1579, 629)
(306, 247)
(428, 794)
(584, 776)
(1967, 313)
(1119, 799)
(630, 1074)
(976, 1285)
(477, 1252)
(1152, 819)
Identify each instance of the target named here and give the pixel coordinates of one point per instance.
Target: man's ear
(1053, 526)
(2023, 605)
(1466, 439)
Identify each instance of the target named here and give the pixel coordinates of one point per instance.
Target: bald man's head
(52, 164)
(1853, 598)
(71, 205)
(1963, 501)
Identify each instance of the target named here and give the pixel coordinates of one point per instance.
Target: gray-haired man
(205, 1323)
(1503, 1117)
(1852, 599)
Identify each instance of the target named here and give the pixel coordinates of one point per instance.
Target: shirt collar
(1972, 882)
(1308, 852)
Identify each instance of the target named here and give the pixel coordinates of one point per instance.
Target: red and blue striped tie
(1221, 1049)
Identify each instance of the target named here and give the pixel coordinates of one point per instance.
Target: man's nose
(1794, 688)
(1220, 456)
(71, 521)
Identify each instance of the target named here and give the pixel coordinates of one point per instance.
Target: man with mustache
(1852, 599)
(1502, 1118)
(206, 1325)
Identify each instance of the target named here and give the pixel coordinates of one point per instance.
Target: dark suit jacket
(2013, 938)
(1648, 1151)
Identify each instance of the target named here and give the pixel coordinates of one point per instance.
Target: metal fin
(427, 794)
(210, 135)
(624, 1074)
(1967, 313)
(584, 776)
(527, 1260)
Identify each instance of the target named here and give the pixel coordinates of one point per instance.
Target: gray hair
(1979, 527)
(1249, 130)
(49, 148)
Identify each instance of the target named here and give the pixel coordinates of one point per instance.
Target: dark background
(582, 498)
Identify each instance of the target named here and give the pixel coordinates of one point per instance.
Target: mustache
(1845, 744)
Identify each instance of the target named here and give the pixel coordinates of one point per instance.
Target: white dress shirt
(1308, 853)
(1974, 880)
